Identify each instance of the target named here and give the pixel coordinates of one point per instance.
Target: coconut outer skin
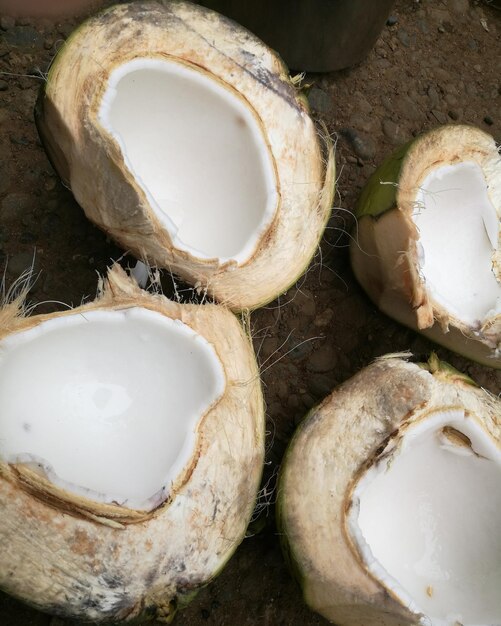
(89, 160)
(336, 442)
(384, 254)
(76, 558)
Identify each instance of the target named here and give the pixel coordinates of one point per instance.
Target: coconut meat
(106, 403)
(197, 150)
(458, 237)
(426, 521)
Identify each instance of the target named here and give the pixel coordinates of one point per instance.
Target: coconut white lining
(107, 402)
(458, 230)
(197, 151)
(427, 518)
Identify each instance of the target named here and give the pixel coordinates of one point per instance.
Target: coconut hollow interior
(199, 153)
(458, 237)
(106, 404)
(426, 521)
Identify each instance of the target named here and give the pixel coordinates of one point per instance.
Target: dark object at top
(312, 35)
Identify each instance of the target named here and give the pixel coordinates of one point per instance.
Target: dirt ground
(436, 62)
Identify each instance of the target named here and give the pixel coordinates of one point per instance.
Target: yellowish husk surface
(90, 160)
(339, 440)
(384, 252)
(77, 558)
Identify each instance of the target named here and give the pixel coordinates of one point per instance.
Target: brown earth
(436, 62)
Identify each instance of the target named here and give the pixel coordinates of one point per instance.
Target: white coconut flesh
(458, 234)
(426, 520)
(197, 150)
(107, 403)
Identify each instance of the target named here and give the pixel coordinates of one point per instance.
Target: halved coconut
(131, 450)
(182, 136)
(390, 500)
(427, 247)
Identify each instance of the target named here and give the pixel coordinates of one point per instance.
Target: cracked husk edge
(90, 161)
(384, 254)
(337, 441)
(74, 558)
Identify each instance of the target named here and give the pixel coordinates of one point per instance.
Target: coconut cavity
(458, 235)
(106, 403)
(426, 520)
(197, 150)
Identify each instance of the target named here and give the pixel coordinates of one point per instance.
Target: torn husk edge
(187, 539)
(339, 440)
(90, 161)
(384, 253)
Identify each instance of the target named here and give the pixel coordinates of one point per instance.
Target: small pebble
(320, 385)
(19, 141)
(65, 29)
(22, 261)
(23, 37)
(320, 101)
(322, 360)
(434, 96)
(441, 74)
(269, 346)
(403, 37)
(7, 22)
(15, 206)
(488, 120)
(5, 176)
(50, 184)
(4, 85)
(363, 145)
(50, 223)
(407, 108)
(440, 116)
(364, 107)
(28, 237)
(423, 26)
(293, 401)
(300, 350)
(392, 20)
(451, 99)
(471, 89)
(459, 6)
(383, 64)
(308, 401)
(393, 131)
(361, 122)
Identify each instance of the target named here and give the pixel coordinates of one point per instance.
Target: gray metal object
(312, 35)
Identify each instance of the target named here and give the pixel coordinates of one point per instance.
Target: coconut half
(182, 136)
(427, 249)
(131, 451)
(390, 500)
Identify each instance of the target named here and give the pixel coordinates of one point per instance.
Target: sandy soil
(435, 62)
